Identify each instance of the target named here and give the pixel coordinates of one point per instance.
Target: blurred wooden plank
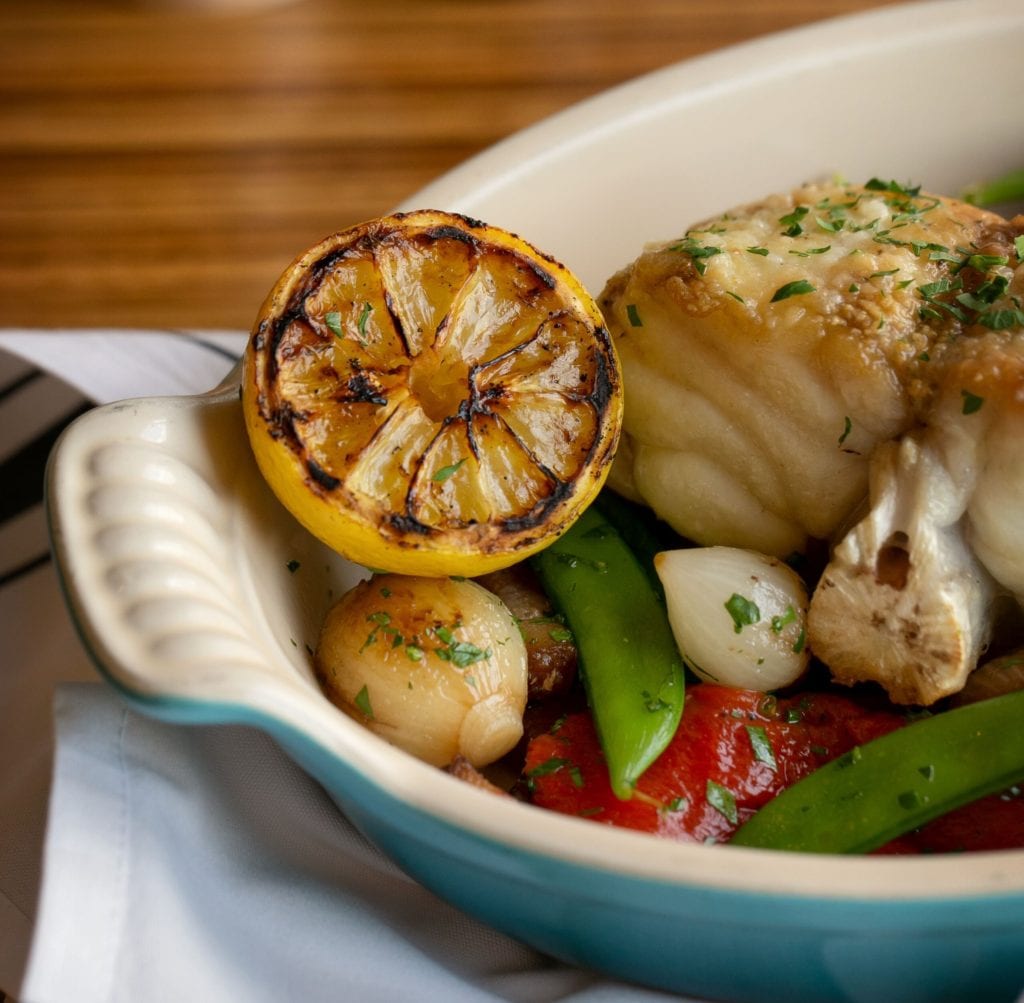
(160, 164)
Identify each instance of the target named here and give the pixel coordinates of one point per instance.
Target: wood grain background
(161, 163)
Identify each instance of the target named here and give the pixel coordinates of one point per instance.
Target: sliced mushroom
(551, 653)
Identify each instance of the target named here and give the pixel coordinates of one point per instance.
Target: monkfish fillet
(772, 355)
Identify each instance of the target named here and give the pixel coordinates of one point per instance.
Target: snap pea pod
(895, 783)
(631, 668)
(644, 533)
(1005, 188)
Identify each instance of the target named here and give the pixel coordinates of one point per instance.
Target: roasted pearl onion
(434, 665)
(739, 617)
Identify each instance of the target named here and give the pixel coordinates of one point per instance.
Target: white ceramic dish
(180, 571)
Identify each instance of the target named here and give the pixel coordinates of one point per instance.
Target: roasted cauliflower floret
(909, 597)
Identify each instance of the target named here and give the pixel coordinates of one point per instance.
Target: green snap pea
(631, 668)
(1007, 187)
(893, 784)
(644, 533)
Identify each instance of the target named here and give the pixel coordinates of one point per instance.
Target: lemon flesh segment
(431, 395)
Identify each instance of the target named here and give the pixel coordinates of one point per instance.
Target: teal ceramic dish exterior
(693, 939)
(686, 938)
(199, 597)
(144, 536)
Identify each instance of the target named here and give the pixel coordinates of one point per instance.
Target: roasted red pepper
(995, 822)
(734, 751)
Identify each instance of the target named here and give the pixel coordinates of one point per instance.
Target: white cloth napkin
(186, 863)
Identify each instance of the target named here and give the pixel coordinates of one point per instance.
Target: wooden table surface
(161, 162)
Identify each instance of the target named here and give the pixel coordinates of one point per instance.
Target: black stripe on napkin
(10, 389)
(220, 350)
(22, 472)
(12, 574)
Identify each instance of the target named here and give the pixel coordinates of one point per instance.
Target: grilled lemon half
(430, 395)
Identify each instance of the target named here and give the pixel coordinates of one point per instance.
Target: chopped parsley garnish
(761, 745)
(792, 221)
(1018, 243)
(778, 622)
(363, 317)
(798, 288)
(549, 766)
(801, 640)
(362, 701)
(932, 289)
(939, 253)
(986, 294)
(634, 315)
(878, 185)
(813, 250)
(983, 262)
(333, 321)
(459, 653)
(722, 800)
(1001, 320)
(972, 402)
(743, 611)
(555, 765)
(464, 653)
(445, 472)
(763, 251)
(381, 620)
(847, 429)
(561, 635)
(699, 253)
(832, 225)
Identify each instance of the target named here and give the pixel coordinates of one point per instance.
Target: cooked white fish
(773, 354)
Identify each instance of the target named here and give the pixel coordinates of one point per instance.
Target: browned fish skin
(551, 654)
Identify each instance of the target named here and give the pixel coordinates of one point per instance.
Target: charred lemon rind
(429, 394)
